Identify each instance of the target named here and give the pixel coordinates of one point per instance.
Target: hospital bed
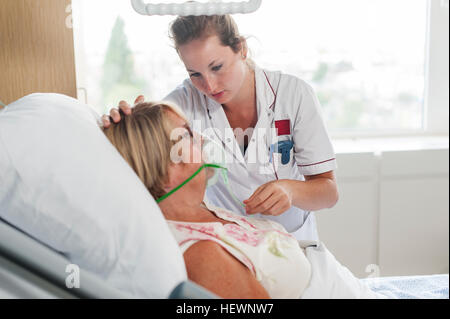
(411, 287)
(50, 225)
(29, 269)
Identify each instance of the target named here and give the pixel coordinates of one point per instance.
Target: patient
(230, 255)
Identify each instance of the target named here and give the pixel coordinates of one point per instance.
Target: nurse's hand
(273, 199)
(115, 115)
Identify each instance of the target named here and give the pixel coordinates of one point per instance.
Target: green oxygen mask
(214, 159)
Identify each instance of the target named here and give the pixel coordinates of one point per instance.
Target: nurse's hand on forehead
(114, 114)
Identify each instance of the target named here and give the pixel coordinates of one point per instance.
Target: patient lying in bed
(230, 255)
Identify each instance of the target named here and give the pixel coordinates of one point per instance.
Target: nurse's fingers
(106, 122)
(251, 201)
(125, 107)
(139, 99)
(266, 206)
(252, 206)
(115, 115)
(256, 193)
(278, 208)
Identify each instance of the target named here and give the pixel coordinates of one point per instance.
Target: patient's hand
(115, 115)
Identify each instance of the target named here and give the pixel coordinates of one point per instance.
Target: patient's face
(188, 159)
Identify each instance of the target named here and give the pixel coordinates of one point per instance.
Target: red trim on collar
(273, 91)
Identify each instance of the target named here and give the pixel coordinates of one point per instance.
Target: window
(121, 54)
(366, 59)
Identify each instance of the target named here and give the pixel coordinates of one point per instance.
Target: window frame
(436, 109)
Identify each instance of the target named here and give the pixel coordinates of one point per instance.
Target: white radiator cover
(392, 218)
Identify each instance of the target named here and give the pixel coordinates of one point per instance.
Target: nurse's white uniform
(285, 102)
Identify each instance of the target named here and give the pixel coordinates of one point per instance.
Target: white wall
(393, 212)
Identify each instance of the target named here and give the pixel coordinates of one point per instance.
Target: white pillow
(62, 182)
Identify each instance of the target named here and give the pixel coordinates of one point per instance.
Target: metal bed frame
(30, 269)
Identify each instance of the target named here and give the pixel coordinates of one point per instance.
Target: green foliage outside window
(119, 80)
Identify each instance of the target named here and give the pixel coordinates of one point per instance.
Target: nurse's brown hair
(185, 29)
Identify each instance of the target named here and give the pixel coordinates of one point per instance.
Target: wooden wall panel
(36, 48)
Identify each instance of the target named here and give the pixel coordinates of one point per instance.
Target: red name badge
(283, 127)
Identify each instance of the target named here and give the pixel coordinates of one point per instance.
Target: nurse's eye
(195, 75)
(217, 68)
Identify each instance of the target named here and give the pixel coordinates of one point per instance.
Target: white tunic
(284, 102)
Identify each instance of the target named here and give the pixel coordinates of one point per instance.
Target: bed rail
(47, 265)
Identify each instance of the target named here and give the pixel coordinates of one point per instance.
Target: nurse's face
(214, 69)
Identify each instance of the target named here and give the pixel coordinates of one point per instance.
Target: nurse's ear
(244, 49)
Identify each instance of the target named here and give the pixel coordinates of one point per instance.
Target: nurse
(269, 123)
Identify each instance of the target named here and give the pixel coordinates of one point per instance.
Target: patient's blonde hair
(143, 139)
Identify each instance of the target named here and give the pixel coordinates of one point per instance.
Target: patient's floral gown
(265, 247)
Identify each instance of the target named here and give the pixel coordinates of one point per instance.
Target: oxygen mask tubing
(213, 157)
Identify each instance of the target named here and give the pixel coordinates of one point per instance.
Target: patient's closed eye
(186, 135)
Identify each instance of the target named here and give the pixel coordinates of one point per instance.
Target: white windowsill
(390, 144)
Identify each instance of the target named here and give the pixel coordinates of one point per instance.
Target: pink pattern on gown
(241, 234)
